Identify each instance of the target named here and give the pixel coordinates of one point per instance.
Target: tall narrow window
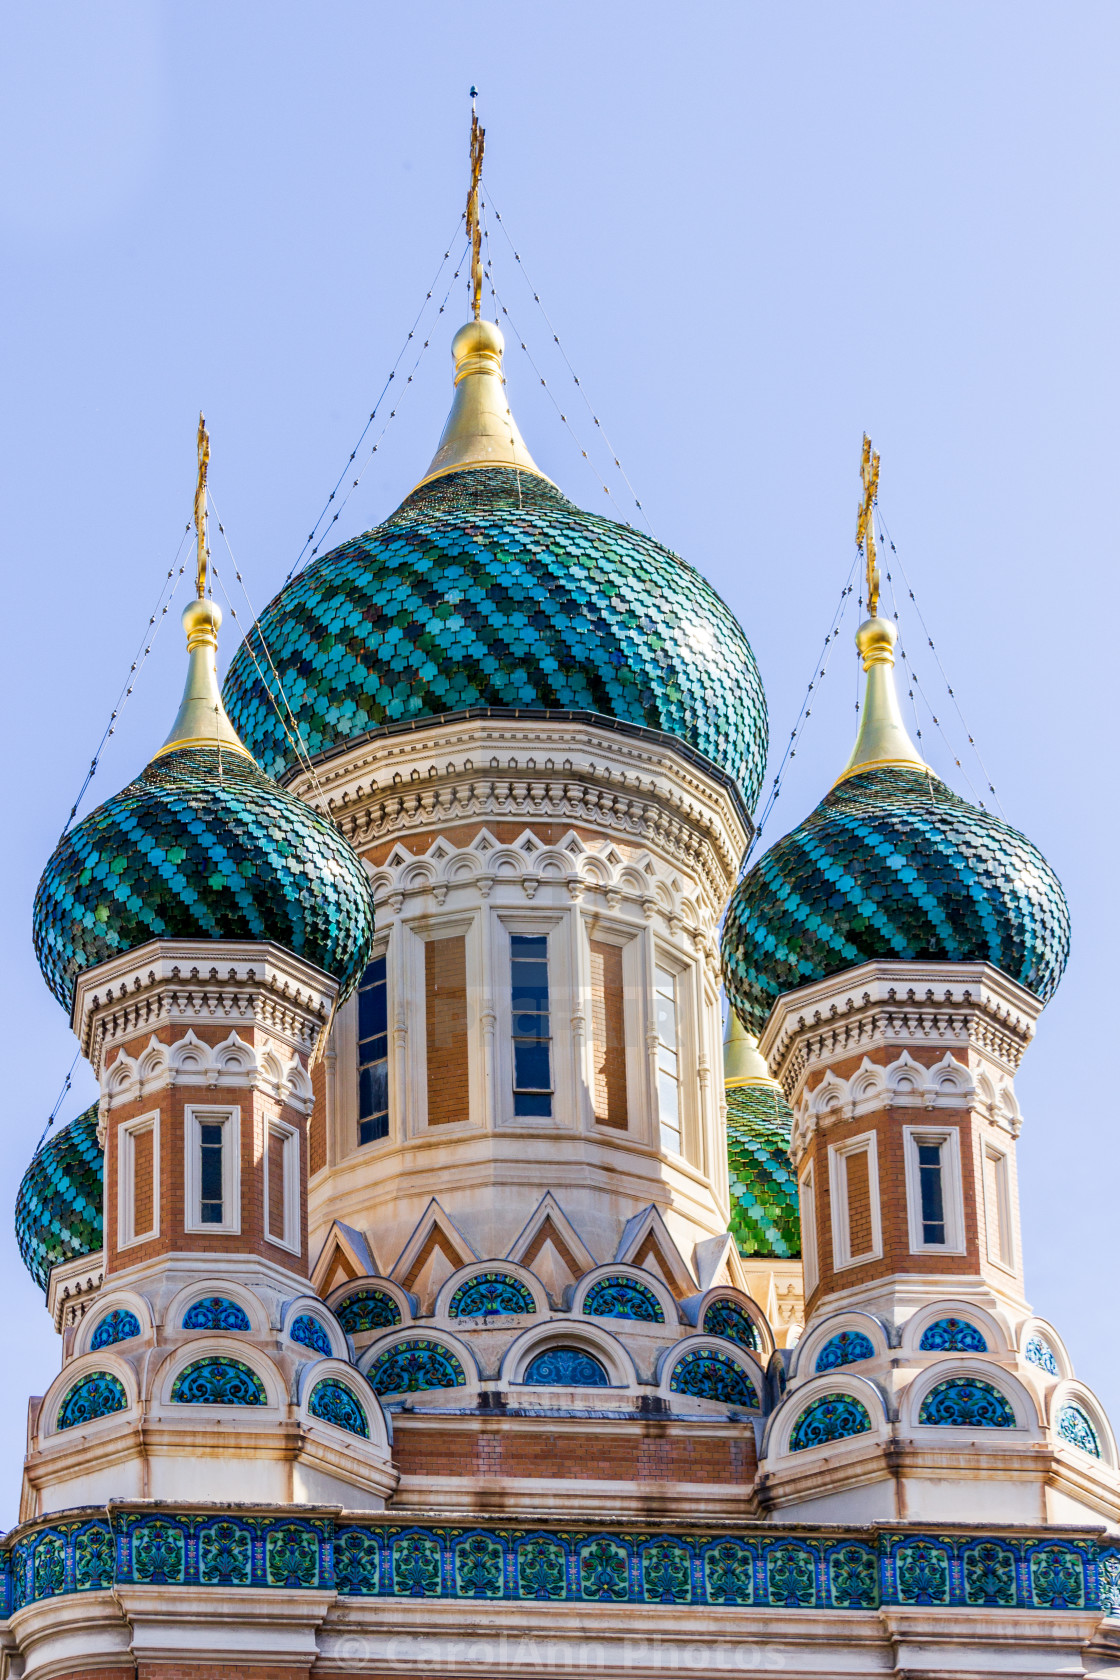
(608, 1034)
(532, 1048)
(282, 1185)
(138, 1180)
(932, 1193)
(210, 1174)
(445, 1003)
(373, 1054)
(668, 1059)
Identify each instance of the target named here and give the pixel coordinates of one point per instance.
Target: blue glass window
(831, 1417)
(309, 1333)
(334, 1403)
(1074, 1427)
(962, 1404)
(210, 1151)
(373, 1053)
(214, 1312)
(1039, 1352)
(214, 1381)
(118, 1326)
(488, 1293)
(933, 1199)
(622, 1297)
(844, 1349)
(94, 1396)
(532, 1048)
(952, 1335)
(566, 1367)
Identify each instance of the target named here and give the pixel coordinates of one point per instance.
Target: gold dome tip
(480, 430)
(875, 639)
(743, 1062)
(882, 740)
(201, 720)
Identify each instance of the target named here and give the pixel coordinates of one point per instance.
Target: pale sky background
(757, 230)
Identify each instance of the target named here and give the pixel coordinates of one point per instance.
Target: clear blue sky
(758, 230)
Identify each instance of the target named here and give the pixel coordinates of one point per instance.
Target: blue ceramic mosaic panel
(309, 1333)
(623, 1297)
(1039, 1352)
(764, 1211)
(952, 1335)
(489, 589)
(727, 1318)
(892, 864)
(333, 1402)
(709, 1374)
(218, 1382)
(96, 1396)
(410, 1366)
(566, 1367)
(214, 1312)
(962, 1403)
(58, 1205)
(489, 1293)
(1020, 1569)
(1074, 1426)
(846, 1348)
(830, 1417)
(202, 846)
(368, 1309)
(117, 1326)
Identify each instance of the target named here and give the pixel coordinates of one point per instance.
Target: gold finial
(200, 506)
(201, 720)
(865, 527)
(882, 739)
(474, 230)
(742, 1059)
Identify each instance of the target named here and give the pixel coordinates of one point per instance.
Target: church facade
(441, 1289)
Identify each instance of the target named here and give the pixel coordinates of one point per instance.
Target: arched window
(215, 1312)
(952, 1335)
(831, 1417)
(1039, 1352)
(218, 1382)
(708, 1374)
(566, 1367)
(844, 1349)
(964, 1403)
(1074, 1426)
(368, 1309)
(488, 1293)
(97, 1395)
(727, 1318)
(309, 1333)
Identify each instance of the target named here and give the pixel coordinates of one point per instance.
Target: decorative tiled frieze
(190, 1061)
(797, 1569)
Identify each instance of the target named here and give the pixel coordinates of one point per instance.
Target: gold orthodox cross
(865, 527)
(474, 231)
(200, 506)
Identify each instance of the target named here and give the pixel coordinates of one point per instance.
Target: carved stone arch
(310, 1306)
(481, 1269)
(973, 1370)
(378, 1419)
(152, 1061)
(234, 1056)
(853, 1322)
(906, 1077)
(418, 875)
(949, 1076)
(161, 1373)
(114, 1364)
(507, 863)
(1070, 1393)
(699, 1312)
(583, 1334)
(552, 865)
(424, 1333)
(688, 1353)
(225, 1288)
(640, 1275)
(1052, 1345)
(992, 1326)
(631, 881)
(189, 1055)
(866, 1084)
(109, 1301)
(595, 870)
(829, 1096)
(297, 1089)
(797, 1402)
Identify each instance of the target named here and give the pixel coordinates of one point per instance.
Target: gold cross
(474, 231)
(865, 527)
(200, 506)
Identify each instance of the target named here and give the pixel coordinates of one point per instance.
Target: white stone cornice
(633, 786)
(179, 983)
(967, 1007)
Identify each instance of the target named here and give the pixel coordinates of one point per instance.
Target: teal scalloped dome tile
(58, 1205)
(490, 589)
(892, 864)
(202, 845)
(764, 1211)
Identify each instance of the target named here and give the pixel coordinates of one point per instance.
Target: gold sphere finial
(478, 348)
(875, 640)
(202, 620)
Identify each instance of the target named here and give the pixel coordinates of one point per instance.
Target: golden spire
(480, 430)
(474, 229)
(201, 720)
(742, 1059)
(882, 738)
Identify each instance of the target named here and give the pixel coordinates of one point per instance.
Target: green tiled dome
(202, 845)
(58, 1207)
(892, 864)
(489, 589)
(764, 1214)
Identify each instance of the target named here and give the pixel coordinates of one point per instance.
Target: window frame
(661, 965)
(807, 1207)
(990, 1151)
(127, 1133)
(952, 1192)
(195, 1116)
(381, 955)
(290, 1178)
(549, 1040)
(839, 1154)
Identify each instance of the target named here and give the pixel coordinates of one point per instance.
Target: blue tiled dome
(489, 589)
(202, 845)
(892, 864)
(58, 1207)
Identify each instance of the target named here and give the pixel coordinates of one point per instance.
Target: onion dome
(489, 591)
(764, 1210)
(58, 1207)
(892, 864)
(202, 845)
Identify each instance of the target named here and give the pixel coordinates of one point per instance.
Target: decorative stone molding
(972, 1007)
(640, 789)
(73, 1288)
(190, 1061)
(169, 982)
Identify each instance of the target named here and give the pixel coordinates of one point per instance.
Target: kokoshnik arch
(432, 1266)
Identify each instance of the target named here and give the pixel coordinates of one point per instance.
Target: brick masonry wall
(172, 1102)
(608, 1034)
(445, 1000)
(658, 1454)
